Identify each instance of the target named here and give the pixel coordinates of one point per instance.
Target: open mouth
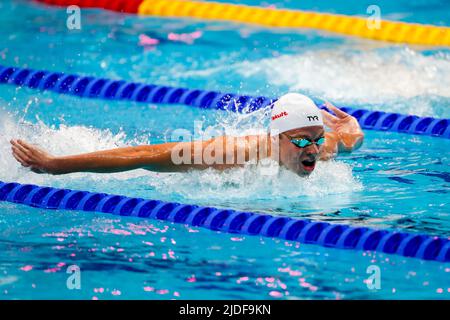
(309, 165)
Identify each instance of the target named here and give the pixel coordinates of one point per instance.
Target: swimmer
(296, 140)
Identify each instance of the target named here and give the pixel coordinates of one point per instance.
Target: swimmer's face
(300, 160)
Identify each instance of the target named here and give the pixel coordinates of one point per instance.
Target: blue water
(394, 181)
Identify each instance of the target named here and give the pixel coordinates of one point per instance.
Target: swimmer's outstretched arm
(151, 157)
(345, 135)
(167, 157)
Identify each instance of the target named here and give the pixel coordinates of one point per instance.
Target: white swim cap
(293, 111)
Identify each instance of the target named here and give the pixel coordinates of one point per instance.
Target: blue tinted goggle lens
(302, 143)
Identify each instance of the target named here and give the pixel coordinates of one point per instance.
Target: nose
(312, 149)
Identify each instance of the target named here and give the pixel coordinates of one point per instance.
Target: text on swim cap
(281, 114)
(313, 118)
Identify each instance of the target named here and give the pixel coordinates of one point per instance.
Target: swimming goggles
(303, 142)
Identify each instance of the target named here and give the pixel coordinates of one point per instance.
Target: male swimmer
(297, 140)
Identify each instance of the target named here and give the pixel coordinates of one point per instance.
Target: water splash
(353, 76)
(61, 140)
(394, 79)
(248, 182)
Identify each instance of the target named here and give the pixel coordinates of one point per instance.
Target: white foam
(351, 76)
(395, 79)
(63, 140)
(330, 177)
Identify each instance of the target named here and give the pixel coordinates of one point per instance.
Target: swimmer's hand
(345, 129)
(33, 157)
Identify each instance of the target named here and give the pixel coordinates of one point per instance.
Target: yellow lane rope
(393, 31)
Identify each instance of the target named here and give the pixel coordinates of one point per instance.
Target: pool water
(395, 181)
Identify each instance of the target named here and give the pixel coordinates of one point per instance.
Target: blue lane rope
(226, 220)
(91, 87)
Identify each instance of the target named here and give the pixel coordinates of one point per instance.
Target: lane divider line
(102, 88)
(324, 234)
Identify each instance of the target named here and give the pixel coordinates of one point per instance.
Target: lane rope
(392, 31)
(102, 88)
(305, 231)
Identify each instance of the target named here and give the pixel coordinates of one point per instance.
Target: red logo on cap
(281, 114)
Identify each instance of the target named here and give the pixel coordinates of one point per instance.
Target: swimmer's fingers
(22, 153)
(25, 149)
(21, 156)
(30, 156)
(18, 145)
(339, 113)
(20, 160)
(25, 152)
(328, 116)
(329, 119)
(30, 148)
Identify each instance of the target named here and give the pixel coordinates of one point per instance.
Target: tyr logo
(313, 118)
